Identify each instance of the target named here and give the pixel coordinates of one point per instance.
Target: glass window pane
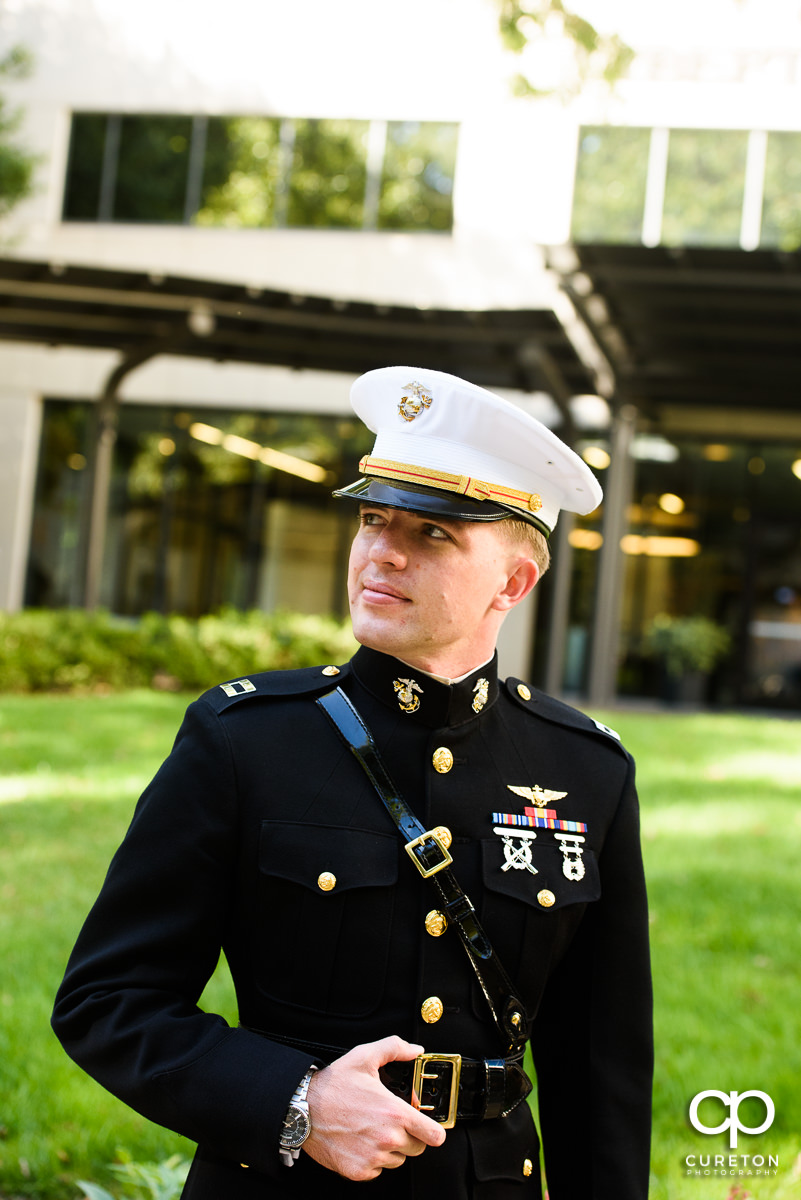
(417, 179)
(329, 174)
(610, 184)
(704, 187)
(195, 524)
(152, 168)
(241, 172)
(53, 578)
(781, 209)
(85, 167)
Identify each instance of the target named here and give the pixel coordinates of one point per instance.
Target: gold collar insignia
(482, 691)
(407, 700)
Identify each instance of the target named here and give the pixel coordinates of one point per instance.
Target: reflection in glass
(781, 206)
(417, 179)
(261, 172)
(85, 167)
(196, 524)
(328, 175)
(241, 172)
(610, 184)
(704, 187)
(152, 169)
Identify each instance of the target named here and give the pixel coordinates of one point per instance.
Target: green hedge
(72, 650)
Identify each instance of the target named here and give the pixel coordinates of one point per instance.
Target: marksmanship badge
(516, 848)
(572, 861)
(413, 404)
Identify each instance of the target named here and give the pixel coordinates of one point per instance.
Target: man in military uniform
(411, 866)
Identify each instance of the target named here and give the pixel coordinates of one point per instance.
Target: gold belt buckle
(438, 842)
(420, 1074)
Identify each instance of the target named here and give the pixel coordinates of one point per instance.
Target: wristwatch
(297, 1122)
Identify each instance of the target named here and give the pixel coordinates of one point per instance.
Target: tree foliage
(573, 52)
(16, 165)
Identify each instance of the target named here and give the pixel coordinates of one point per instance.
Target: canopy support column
(605, 643)
(99, 483)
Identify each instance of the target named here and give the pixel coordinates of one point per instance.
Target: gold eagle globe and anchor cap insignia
(412, 405)
(406, 689)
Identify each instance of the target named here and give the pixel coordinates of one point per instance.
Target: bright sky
(428, 55)
(692, 24)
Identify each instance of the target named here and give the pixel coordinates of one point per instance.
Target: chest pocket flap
(540, 874)
(330, 890)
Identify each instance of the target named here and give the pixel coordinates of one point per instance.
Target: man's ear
(522, 580)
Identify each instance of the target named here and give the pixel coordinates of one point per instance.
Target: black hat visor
(432, 501)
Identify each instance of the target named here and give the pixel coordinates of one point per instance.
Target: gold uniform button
(444, 834)
(431, 1010)
(330, 670)
(528, 1167)
(442, 760)
(326, 882)
(546, 898)
(436, 923)
(523, 692)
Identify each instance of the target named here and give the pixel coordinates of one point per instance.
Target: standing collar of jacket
(422, 698)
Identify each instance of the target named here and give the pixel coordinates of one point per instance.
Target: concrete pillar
(562, 568)
(605, 642)
(20, 422)
(516, 639)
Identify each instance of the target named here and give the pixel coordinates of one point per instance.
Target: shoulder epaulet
(542, 705)
(304, 681)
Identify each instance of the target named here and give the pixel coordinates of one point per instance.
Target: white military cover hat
(450, 448)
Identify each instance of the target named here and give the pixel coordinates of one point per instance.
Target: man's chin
(379, 635)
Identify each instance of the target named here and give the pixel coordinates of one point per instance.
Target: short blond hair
(523, 533)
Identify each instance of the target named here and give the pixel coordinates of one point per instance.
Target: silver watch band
(288, 1156)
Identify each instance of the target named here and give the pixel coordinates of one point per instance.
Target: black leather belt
(447, 1087)
(451, 1088)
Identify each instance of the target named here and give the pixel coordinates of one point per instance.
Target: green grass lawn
(721, 799)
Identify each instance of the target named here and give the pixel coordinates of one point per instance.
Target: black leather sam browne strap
(432, 860)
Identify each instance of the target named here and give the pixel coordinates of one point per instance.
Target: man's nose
(389, 547)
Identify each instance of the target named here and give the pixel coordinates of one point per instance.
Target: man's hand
(358, 1126)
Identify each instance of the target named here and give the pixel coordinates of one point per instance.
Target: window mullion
(194, 174)
(376, 149)
(108, 179)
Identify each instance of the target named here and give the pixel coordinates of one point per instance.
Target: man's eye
(436, 531)
(370, 518)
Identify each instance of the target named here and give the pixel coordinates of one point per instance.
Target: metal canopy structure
(699, 328)
(141, 315)
(712, 334)
(700, 340)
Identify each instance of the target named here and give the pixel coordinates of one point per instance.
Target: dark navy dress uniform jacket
(258, 798)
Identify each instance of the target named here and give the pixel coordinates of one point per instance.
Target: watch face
(297, 1127)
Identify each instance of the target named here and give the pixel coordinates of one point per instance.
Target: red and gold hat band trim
(463, 485)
